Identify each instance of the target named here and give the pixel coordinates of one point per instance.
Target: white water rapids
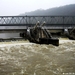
(35, 59)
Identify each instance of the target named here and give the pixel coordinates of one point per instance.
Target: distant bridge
(22, 22)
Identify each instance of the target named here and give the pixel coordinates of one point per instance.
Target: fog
(16, 7)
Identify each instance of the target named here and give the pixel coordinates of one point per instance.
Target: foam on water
(35, 59)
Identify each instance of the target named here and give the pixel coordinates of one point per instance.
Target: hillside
(68, 10)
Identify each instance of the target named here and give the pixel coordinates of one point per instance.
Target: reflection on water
(33, 59)
(9, 35)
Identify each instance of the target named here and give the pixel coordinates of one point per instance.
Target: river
(35, 59)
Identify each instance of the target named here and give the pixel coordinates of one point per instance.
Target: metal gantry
(55, 21)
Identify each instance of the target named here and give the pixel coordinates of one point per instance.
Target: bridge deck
(22, 22)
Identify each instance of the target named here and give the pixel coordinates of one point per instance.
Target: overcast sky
(16, 7)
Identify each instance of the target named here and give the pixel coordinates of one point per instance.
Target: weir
(54, 24)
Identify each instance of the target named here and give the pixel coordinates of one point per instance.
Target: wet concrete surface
(36, 59)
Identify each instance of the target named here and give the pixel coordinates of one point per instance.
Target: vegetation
(68, 10)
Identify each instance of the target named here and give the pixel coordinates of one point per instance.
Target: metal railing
(60, 21)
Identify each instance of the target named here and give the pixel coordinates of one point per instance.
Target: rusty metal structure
(36, 30)
(40, 35)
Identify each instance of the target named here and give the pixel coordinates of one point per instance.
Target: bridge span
(20, 23)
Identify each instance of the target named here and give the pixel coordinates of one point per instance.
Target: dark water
(33, 59)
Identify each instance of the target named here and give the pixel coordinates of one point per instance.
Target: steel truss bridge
(22, 22)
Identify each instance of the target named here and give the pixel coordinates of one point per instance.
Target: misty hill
(68, 10)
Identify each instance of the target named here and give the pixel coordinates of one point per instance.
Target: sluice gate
(64, 25)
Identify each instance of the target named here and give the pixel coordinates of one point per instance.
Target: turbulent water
(35, 59)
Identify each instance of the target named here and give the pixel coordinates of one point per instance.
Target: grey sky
(16, 7)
